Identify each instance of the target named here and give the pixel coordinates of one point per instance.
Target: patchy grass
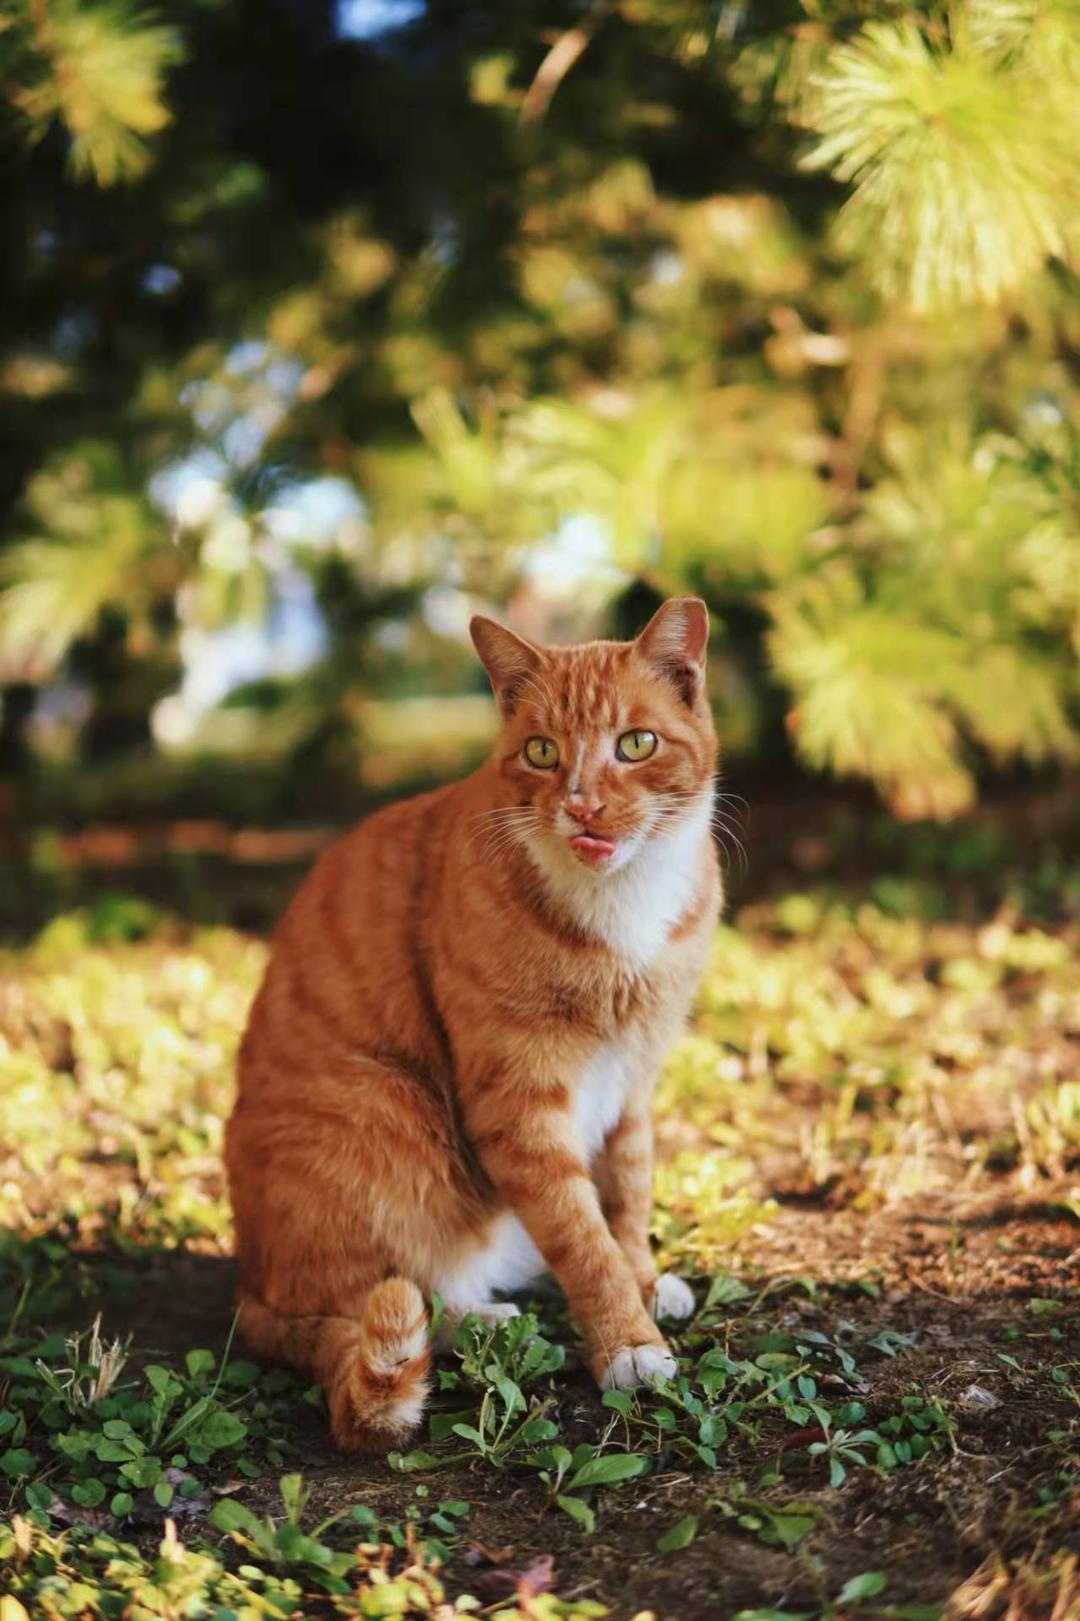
(871, 1173)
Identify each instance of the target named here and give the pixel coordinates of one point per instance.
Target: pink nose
(584, 810)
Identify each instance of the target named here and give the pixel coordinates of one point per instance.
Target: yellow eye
(542, 753)
(636, 745)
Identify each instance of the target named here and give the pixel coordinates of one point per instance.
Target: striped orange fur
(445, 1081)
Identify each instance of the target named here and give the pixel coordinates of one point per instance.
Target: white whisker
(730, 813)
(501, 828)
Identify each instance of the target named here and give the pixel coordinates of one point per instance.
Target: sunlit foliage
(774, 304)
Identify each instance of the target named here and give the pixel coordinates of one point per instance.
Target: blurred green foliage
(772, 302)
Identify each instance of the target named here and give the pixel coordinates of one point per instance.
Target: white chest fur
(633, 909)
(600, 1097)
(509, 1260)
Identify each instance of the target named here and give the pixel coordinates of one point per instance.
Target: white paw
(489, 1312)
(672, 1297)
(638, 1365)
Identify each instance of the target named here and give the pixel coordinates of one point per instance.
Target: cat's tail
(374, 1368)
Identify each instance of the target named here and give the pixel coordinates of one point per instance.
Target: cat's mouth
(591, 847)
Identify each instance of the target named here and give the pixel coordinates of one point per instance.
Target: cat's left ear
(675, 642)
(508, 659)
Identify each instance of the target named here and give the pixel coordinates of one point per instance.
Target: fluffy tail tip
(379, 1388)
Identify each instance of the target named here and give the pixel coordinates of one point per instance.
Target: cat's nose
(584, 810)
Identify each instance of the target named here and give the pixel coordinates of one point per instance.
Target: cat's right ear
(508, 659)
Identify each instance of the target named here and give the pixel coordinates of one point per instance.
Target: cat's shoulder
(387, 841)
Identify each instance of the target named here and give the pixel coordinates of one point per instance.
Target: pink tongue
(586, 845)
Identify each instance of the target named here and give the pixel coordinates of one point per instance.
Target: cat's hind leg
(336, 1238)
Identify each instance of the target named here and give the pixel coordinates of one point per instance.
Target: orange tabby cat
(446, 1078)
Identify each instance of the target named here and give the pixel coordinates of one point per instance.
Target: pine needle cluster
(958, 135)
(96, 69)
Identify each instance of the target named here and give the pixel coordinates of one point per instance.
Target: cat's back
(346, 970)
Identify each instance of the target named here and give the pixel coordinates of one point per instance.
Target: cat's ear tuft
(508, 659)
(675, 642)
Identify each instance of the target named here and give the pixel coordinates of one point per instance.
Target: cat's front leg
(623, 1172)
(624, 1178)
(532, 1151)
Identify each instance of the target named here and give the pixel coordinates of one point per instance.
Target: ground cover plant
(870, 1175)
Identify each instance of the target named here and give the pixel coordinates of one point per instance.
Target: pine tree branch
(566, 50)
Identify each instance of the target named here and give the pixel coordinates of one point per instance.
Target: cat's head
(607, 745)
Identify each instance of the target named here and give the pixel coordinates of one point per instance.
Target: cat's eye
(542, 753)
(636, 745)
